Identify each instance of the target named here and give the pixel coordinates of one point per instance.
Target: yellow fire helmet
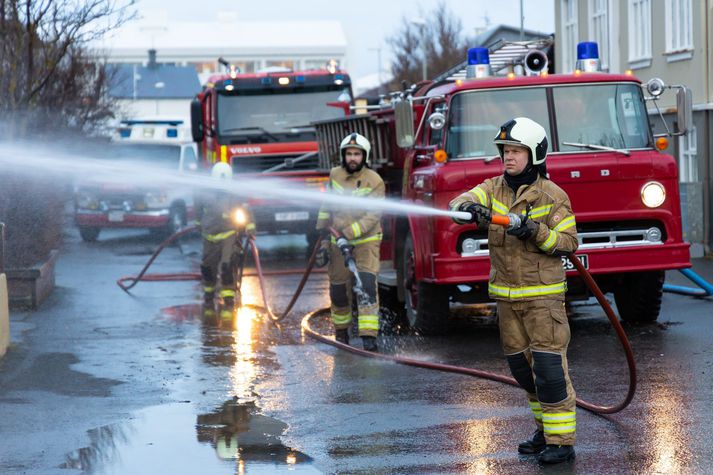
(221, 171)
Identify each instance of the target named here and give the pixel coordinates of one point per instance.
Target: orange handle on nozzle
(500, 220)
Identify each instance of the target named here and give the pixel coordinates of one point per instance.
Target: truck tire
(426, 304)
(312, 238)
(89, 233)
(638, 297)
(392, 315)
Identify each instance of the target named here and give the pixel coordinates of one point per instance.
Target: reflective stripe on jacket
(532, 269)
(357, 224)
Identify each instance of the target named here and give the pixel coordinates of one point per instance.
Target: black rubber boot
(369, 343)
(557, 454)
(533, 446)
(342, 336)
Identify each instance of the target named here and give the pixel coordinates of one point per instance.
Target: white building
(251, 46)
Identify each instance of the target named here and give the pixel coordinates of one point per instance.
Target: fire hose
(510, 220)
(305, 324)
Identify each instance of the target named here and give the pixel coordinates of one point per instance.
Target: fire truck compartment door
(600, 167)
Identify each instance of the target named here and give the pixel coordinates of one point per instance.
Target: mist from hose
(37, 160)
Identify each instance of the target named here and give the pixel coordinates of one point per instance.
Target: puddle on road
(232, 439)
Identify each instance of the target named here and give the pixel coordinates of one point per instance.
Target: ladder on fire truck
(504, 56)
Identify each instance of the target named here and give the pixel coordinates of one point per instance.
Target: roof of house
(226, 38)
(154, 82)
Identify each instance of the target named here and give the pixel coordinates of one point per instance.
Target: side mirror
(404, 124)
(197, 130)
(684, 109)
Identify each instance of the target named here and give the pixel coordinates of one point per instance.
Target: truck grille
(261, 163)
(588, 239)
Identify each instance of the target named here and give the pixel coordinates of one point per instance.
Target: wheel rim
(176, 221)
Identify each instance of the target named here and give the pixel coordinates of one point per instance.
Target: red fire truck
(435, 141)
(261, 124)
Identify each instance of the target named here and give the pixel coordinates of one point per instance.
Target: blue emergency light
(171, 133)
(299, 79)
(478, 63)
(266, 81)
(588, 57)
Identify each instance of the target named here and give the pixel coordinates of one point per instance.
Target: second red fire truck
(436, 140)
(261, 124)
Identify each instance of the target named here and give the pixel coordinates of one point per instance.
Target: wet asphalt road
(98, 381)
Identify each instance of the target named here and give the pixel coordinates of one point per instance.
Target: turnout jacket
(531, 269)
(214, 215)
(358, 225)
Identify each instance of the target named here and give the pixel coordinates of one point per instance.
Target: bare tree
(445, 46)
(45, 62)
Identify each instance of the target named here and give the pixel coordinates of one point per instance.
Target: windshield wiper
(262, 131)
(598, 147)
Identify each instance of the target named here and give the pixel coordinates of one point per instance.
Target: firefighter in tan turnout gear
(527, 280)
(222, 218)
(360, 231)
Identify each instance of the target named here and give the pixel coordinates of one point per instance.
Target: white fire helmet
(355, 140)
(221, 171)
(526, 133)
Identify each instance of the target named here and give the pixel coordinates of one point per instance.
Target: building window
(687, 161)
(570, 35)
(280, 63)
(599, 29)
(315, 63)
(639, 31)
(679, 26)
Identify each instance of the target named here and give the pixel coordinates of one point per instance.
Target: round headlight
(469, 246)
(653, 194)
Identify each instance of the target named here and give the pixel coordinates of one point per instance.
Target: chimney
(152, 59)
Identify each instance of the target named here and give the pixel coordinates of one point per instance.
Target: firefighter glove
(344, 246)
(526, 230)
(322, 257)
(480, 214)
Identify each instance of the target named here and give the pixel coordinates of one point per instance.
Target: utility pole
(522, 22)
(378, 64)
(422, 24)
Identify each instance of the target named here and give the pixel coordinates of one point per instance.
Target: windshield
(476, 117)
(277, 112)
(165, 156)
(610, 115)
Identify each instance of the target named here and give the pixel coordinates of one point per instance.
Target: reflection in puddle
(162, 439)
(237, 433)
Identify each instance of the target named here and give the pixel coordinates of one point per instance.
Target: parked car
(162, 209)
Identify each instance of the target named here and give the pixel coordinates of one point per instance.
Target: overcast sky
(367, 23)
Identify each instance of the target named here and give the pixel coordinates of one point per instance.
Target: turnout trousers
(366, 256)
(534, 335)
(220, 257)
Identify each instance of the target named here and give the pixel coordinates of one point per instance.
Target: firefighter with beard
(527, 280)
(221, 217)
(360, 231)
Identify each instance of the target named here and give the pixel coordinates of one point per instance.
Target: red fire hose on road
(276, 318)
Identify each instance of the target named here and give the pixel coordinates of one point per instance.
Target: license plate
(292, 216)
(569, 265)
(115, 216)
